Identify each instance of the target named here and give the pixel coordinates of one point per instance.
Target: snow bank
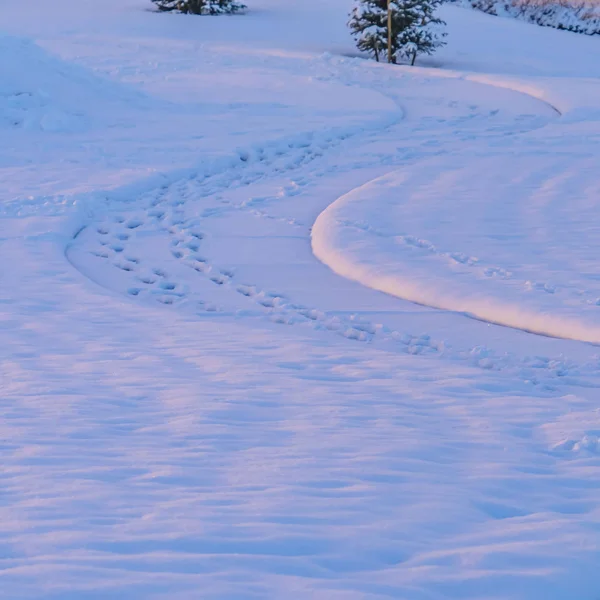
(484, 234)
(340, 245)
(579, 17)
(505, 232)
(39, 92)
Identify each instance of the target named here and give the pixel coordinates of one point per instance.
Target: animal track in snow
(186, 245)
(540, 286)
(186, 238)
(147, 279)
(497, 272)
(476, 266)
(165, 210)
(155, 283)
(134, 223)
(463, 259)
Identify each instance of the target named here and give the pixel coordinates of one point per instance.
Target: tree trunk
(414, 57)
(389, 24)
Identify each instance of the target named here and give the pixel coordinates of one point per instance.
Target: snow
(520, 252)
(579, 16)
(193, 405)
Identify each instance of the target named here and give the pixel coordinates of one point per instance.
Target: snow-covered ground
(195, 406)
(580, 16)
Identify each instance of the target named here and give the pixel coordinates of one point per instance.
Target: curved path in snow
(234, 241)
(505, 232)
(201, 404)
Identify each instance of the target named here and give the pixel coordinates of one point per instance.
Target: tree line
(391, 30)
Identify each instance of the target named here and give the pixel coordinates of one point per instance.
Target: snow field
(192, 404)
(247, 496)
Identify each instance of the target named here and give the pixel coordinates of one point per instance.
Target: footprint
(147, 279)
(282, 319)
(267, 302)
(201, 267)
(134, 223)
(312, 314)
(540, 286)
(365, 327)
(207, 306)
(167, 285)
(246, 290)
(334, 324)
(124, 266)
(354, 334)
(462, 258)
(497, 272)
(219, 279)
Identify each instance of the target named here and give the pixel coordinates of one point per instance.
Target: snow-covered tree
(415, 28)
(200, 7)
(368, 23)
(424, 31)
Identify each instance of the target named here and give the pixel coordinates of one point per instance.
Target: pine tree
(415, 28)
(200, 7)
(368, 23)
(423, 33)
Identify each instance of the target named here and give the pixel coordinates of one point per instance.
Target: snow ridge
(377, 233)
(332, 234)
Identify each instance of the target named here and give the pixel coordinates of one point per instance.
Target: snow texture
(194, 406)
(569, 15)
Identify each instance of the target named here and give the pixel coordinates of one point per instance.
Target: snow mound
(39, 92)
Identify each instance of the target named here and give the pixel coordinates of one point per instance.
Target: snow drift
(39, 92)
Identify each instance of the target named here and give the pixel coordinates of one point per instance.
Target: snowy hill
(279, 321)
(579, 17)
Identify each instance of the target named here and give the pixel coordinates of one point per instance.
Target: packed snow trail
(538, 203)
(523, 258)
(201, 407)
(169, 233)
